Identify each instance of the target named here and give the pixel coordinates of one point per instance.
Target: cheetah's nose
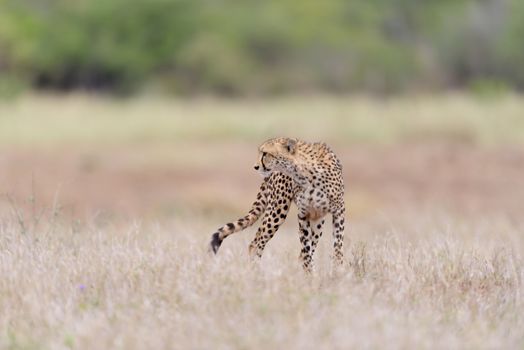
(256, 167)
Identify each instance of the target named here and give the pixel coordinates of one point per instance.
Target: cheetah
(308, 174)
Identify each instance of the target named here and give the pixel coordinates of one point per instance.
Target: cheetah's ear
(291, 145)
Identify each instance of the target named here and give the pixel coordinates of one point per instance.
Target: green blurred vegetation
(261, 47)
(44, 121)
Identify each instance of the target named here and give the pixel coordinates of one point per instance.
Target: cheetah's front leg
(316, 233)
(338, 236)
(304, 228)
(310, 233)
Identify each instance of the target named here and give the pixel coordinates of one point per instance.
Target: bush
(95, 44)
(266, 46)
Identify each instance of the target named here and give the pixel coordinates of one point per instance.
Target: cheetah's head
(276, 155)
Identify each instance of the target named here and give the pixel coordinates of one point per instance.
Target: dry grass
(430, 277)
(153, 287)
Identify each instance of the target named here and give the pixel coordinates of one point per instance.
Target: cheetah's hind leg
(274, 216)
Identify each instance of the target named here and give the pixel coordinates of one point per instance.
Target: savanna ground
(108, 206)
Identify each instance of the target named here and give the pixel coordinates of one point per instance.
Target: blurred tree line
(270, 46)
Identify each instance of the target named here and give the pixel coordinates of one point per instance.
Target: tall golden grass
(155, 287)
(422, 278)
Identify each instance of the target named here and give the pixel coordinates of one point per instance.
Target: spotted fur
(308, 174)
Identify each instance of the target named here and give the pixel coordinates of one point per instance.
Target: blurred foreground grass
(47, 120)
(143, 287)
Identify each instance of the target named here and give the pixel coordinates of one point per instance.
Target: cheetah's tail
(259, 206)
